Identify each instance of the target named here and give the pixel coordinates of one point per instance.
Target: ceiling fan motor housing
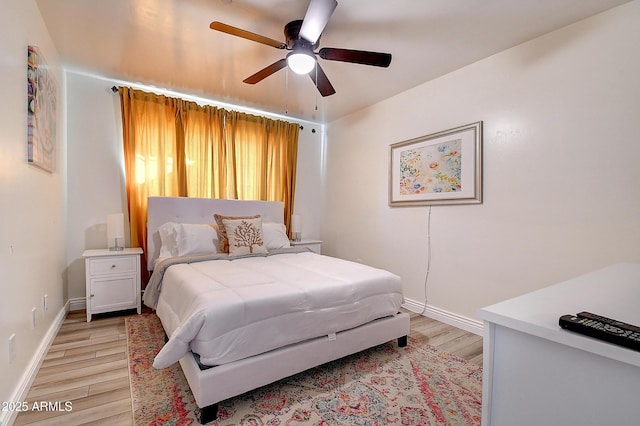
(292, 36)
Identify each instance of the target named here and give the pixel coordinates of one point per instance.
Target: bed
(237, 323)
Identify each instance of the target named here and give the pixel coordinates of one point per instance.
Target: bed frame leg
(402, 341)
(208, 414)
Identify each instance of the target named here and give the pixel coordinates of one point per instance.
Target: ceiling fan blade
(219, 26)
(323, 84)
(266, 72)
(364, 57)
(316, 18)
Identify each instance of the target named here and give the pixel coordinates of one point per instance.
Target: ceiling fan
(302, 38)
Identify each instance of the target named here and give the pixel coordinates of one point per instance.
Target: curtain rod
(114, 89)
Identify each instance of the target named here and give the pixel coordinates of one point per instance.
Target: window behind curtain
(175, 147)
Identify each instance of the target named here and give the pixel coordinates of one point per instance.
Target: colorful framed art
(441, 168)
(42, 101)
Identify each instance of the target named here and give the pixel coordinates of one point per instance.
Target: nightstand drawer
(313, 245)
(113, 265)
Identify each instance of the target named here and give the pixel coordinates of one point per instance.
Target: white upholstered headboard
(200, 210)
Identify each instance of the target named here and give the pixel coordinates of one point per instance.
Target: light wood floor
(87, 365)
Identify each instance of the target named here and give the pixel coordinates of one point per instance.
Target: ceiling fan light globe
(301, 63)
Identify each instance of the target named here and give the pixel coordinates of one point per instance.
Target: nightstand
(314, 245)
(112, 280)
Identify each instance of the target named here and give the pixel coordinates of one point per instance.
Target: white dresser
(536, 373)
(112, 280)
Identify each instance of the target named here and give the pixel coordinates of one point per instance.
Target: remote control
(600, 330)
(609, 321)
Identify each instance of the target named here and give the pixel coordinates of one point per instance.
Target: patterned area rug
(385, 385)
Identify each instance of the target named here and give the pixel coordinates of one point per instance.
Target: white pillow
(196, 238)
(275, 235)
(245, 236)
(169, 240)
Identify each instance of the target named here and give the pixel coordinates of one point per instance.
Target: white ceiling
(168, 44)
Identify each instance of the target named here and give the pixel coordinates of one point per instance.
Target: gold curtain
(152, 143)
(265, 154)
(175, 148)
(205, 151)
(248, 136)
(282, 155)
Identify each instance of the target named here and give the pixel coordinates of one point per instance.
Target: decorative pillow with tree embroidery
(245, 236)
(222, 232)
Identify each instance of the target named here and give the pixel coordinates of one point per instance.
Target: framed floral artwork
(441, 168)
(42, 100)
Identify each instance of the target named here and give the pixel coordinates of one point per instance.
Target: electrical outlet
(11, 342)
(33, 317)
(45, 303)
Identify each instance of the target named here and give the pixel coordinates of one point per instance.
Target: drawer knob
(113, 266)
(92, 295)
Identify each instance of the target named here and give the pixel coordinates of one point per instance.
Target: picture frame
(437, 169)
(42, 103)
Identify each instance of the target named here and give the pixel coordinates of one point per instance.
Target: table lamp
(115, 231)
(296, 227)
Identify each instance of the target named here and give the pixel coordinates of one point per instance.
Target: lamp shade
(296, 223)
(115, 230)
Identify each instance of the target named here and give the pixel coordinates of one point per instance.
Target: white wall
(561, 174)
(32, 212)
(96, 170)
(309, 192)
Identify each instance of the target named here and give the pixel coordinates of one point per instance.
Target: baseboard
(464, 323)
(78, 304)
(20, 393)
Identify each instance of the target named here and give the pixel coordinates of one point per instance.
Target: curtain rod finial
(114, 89)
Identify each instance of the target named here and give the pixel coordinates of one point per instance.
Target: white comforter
(225, 310)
